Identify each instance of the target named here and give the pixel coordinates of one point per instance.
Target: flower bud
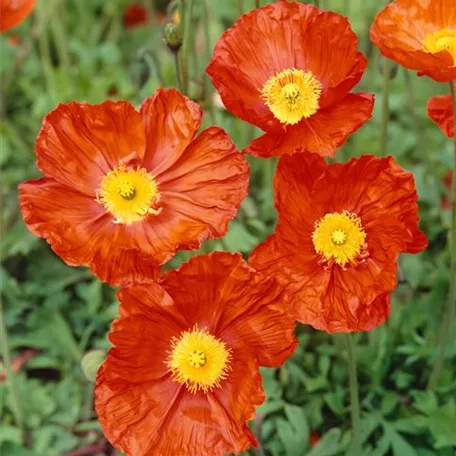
(173, 36)
(91, 362)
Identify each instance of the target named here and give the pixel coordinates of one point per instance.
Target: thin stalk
(411, 102)
(186, 49)
(60, 37)
(446, 324)
(385, 106)
(15, 398)
(177, 70)
(207, 83)
(240, 7)
(257, 3)
(317, 3)
(354, 398)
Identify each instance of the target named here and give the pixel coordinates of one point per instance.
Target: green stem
(240, 7)
(60, 37)
(185, 49)
(411, 102)
(257, 3)
(15, 401)
(207, 82)
(446, 324)
(354, 398)
(177, 70)
(385, 106)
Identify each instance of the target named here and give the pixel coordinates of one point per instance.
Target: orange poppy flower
(288, 68)
(341, 228)
(420, 35)
(135, 15)
(182, 378)
(13, 12)
(440, 110)
(124, 190)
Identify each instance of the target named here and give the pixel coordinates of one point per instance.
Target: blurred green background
(54, 314)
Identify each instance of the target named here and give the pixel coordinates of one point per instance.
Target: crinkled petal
(401, 27)
(80, 143)
(259, 45)
(81, 233)
(440, 110)
(199, 195)
(171, 121)
(322, 134)
(221, 292)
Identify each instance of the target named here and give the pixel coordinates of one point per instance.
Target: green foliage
(79, 51)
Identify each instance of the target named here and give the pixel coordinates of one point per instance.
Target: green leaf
(442, 424)
(400, 446)
(328, 445)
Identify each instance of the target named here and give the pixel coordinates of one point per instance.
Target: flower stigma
(441, 40)
(129, 195)
(339, 238)
(292, 95)
(199, 360)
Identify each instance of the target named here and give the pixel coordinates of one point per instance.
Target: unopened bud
(91, 362)
(173, 36)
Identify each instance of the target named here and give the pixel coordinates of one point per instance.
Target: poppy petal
(440, 110)
(134, 416)
(246, 309)
(333, 57)
(245, 57)
(401, 27)
(171, 122)
(81, 233)
(323, 133)
(200, 194)
(13, 12)
(80, 143)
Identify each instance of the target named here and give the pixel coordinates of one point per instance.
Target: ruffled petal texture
(327, 295)
(252, 318)
(191, 186)
(401, 28)
(13, 12)
(440, 110)
(291, 36)
(141, 406)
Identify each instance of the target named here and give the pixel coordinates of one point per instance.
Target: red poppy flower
(420, 35)
(182, 378)
(440, 110)
(288, 68)
(341, 228)
(13, 12)
(135, 15)
(123, 190)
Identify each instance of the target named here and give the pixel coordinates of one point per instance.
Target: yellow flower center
(128, 194)
(199, 360)
(292, 95)
(339, 238)
(441, 40)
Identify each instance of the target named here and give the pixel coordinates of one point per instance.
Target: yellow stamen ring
(199, 360)
(441, 40)
(339, 238)
(292, 95)
(129, 195)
